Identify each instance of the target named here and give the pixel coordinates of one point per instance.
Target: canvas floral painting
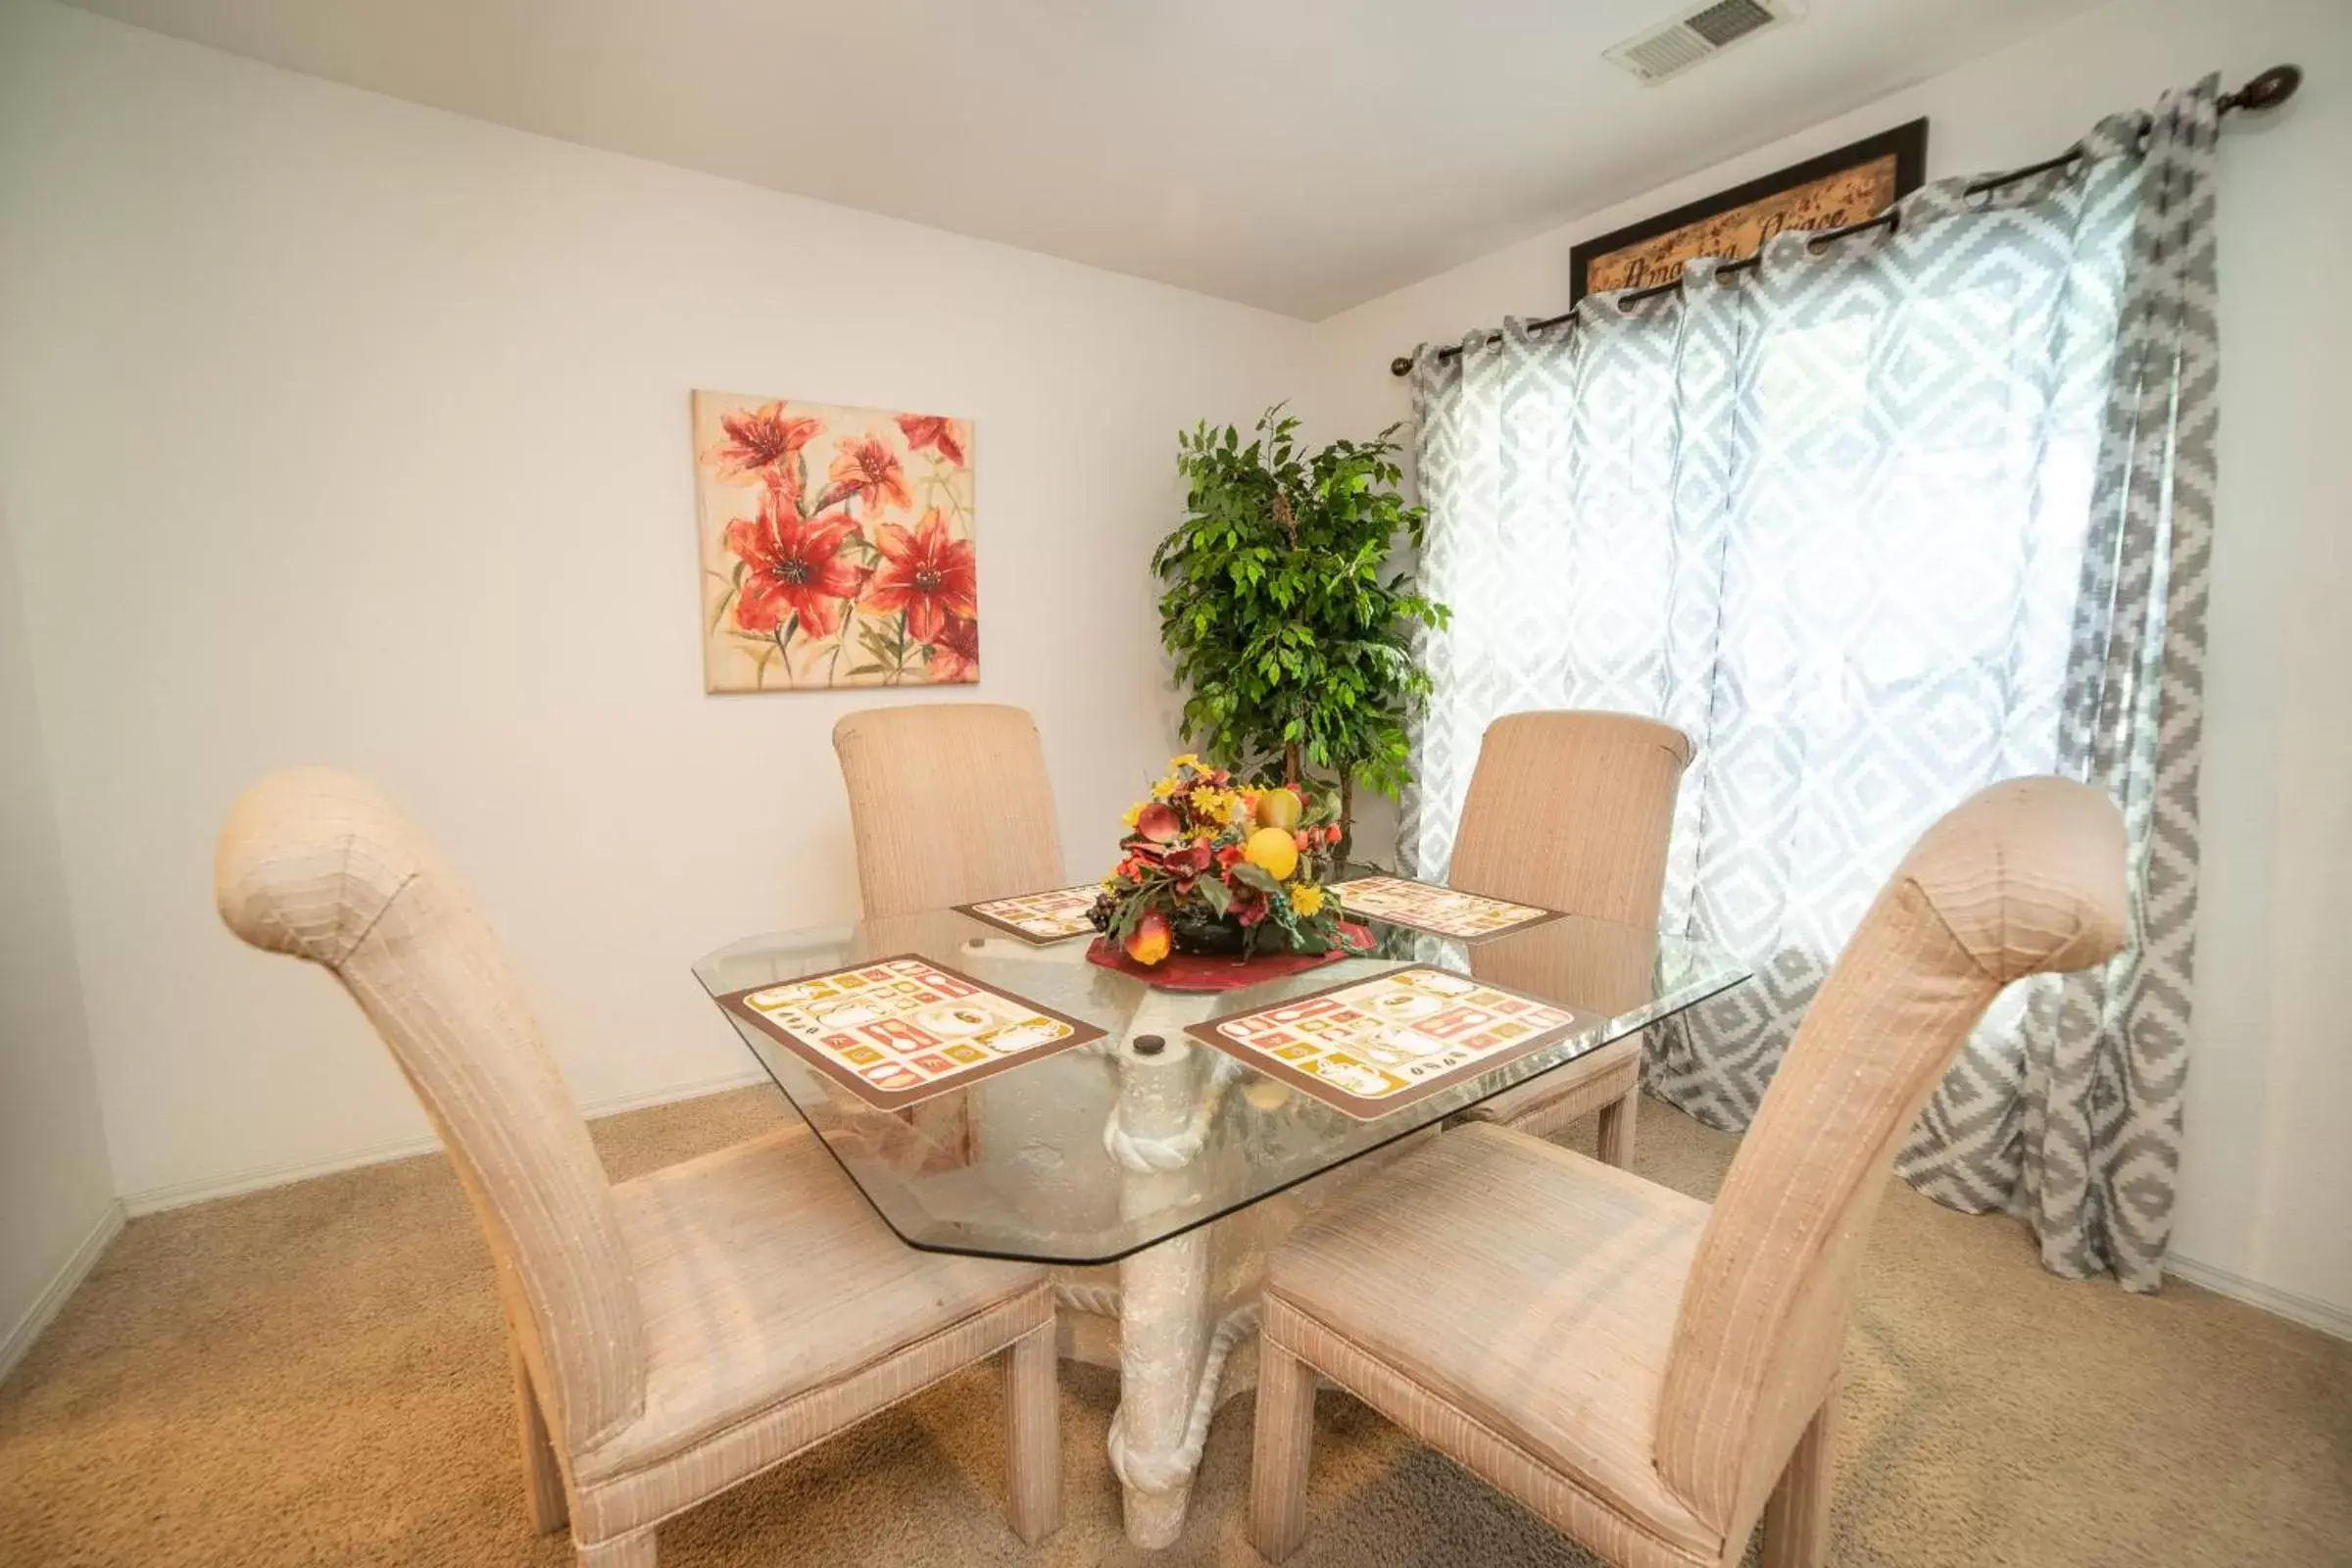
(836, 545)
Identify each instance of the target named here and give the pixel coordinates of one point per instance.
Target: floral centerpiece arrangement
(1209, 865)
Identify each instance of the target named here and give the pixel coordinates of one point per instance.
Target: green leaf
(1255, 877)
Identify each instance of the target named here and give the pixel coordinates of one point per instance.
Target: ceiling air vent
(1691, 38)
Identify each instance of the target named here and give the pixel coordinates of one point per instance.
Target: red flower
(930, 430)
(791, 564)
(761, 440)
(956, 657)
(926, 575)
(865, 465)
(1189, 860)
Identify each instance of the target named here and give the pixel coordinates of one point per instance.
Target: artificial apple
(1159, 823)
(1148, 943)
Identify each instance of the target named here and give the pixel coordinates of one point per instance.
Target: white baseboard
(45, 1305)
(2303, 1309)
(179, 1194)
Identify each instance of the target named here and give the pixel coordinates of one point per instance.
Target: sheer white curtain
(1841, 520)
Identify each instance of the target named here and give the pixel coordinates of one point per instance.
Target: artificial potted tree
(1289, 624)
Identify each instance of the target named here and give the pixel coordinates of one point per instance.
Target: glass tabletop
(1095, 1151)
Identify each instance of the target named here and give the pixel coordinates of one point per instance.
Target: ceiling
(1300, 155)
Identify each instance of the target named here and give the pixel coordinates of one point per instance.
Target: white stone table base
(1181, 1321)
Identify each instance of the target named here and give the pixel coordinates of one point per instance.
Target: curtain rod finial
(1402, 365)
(2269, 90)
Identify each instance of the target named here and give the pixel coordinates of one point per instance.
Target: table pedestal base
(1187, 1309)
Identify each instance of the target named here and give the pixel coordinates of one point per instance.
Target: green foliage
(1295, 648)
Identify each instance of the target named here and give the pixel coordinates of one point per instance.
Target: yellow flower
(1165, 789)
(1188, 759)
(1214, 805)
(1306, 899)
(1134, 813)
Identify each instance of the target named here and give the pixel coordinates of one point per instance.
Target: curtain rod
(2269, 90)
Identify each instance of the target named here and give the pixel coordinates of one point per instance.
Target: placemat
(1441, 912)
(899, 1030)
(1368, 1046)
(1040, 919)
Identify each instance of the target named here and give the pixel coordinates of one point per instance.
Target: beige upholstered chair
(950, 803)
(1572, 811)
(671, 1335)
(1647, 1373)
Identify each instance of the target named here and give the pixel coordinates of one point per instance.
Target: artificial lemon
(1278, 808)
(1272, 850)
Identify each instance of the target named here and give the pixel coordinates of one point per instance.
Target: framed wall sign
(1840, 187)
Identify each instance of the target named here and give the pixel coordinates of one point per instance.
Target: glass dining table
(1152, 1173)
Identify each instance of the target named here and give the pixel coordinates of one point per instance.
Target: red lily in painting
(792, 565)
(764, 439)
(927, 574)
(865, 465)
(930, 430)
(956, 657)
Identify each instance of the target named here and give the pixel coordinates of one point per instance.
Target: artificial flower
(792, 565)
(1213, 805)
(764, 439)
(864, 464)
(927, 574)
(1133, 811)
(1306, 899)
(930, 430)
(1189, 860)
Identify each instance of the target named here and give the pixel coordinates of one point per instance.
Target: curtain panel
(1877, 523)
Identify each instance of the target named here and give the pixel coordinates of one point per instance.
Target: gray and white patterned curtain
(1876, 525)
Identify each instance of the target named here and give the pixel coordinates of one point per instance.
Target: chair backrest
(949, 802)
(2024, 878)
(1572, 811)
(318, 864)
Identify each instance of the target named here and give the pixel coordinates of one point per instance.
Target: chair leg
(634, 1550)
(541, 1475)
(1617, 1129)
(1033, 1434)
(1281, 1448)
(1796, 1521)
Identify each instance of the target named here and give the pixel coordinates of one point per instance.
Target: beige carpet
(315, 1375)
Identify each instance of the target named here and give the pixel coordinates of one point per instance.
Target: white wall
(57, 1194)
(336, 430)
(2267, 1189)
